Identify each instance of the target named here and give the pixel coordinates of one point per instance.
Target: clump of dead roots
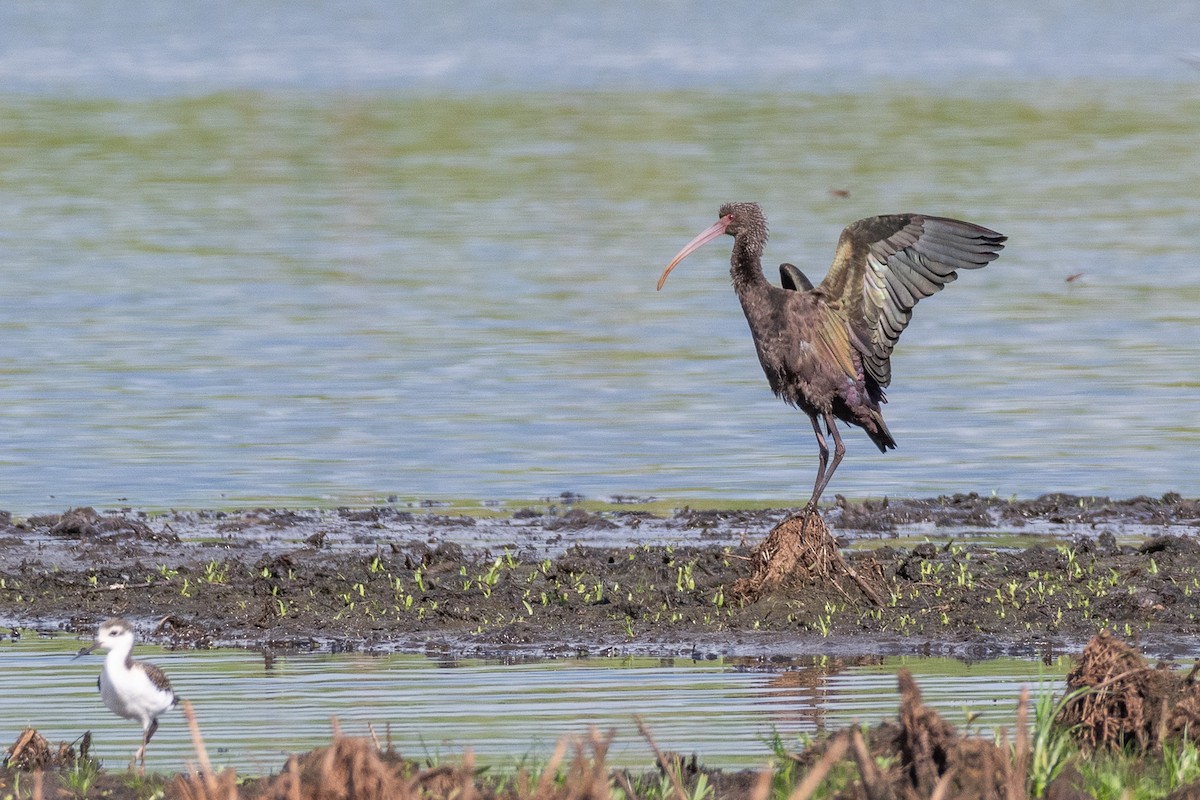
(799, 551)
(31, 751)
(1116, 700)
(928, 758)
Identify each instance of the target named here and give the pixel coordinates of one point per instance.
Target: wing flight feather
(885, 265)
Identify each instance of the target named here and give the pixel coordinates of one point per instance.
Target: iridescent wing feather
(885, 265)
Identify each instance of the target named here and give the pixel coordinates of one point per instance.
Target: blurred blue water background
(331, 253)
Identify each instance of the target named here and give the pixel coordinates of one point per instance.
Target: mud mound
(576, 520)
(86, 523)
(1116, 700)
(797, 553)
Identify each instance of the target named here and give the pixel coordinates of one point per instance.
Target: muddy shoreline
(962, 576)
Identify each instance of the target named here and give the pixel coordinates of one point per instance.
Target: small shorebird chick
(131, 689)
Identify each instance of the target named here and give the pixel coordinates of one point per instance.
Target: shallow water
(253, 712)
(249, 263)
(72, 46)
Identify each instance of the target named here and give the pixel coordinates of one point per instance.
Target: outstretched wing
(885, 265)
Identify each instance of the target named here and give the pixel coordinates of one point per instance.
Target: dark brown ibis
(827, 349)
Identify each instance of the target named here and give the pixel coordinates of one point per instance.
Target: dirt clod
(86, 523)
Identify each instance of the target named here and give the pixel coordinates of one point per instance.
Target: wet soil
(964, 575)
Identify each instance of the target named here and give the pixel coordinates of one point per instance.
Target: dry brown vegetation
(1117, 700)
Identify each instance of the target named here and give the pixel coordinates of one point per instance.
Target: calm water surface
(342, 255)
(252, 715)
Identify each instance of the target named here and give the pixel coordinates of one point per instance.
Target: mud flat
(963, 575)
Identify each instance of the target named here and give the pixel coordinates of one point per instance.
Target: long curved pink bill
(706, 236)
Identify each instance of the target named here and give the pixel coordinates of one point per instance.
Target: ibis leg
(823, 456)
(839, 450)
